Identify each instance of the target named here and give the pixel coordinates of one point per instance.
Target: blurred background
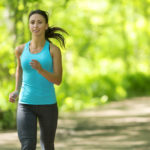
(107, 55)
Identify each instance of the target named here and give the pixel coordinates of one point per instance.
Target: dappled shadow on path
(123, 125)
(106, 134)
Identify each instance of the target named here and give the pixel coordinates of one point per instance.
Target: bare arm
(56, 76)
(15, 94)
(18, 52)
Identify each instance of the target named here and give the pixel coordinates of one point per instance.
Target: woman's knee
(28, 144)
(47, 145)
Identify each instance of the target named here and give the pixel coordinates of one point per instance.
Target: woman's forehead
(37, 17)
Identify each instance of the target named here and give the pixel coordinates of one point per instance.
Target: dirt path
(123, 125)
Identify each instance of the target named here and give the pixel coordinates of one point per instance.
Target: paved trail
(123, 125)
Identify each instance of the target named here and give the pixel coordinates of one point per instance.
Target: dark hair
(51, 31)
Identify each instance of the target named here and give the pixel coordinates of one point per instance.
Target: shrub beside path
(122, 125)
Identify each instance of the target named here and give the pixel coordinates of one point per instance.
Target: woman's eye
(39, 22)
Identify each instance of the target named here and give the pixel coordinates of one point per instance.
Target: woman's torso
(35, 89)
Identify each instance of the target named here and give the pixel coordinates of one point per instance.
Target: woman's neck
(37, 42)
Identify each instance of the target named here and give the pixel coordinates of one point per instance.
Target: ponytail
(51, 33)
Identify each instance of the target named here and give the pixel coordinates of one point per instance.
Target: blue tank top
(36, 89)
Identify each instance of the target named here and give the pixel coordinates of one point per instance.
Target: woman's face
(37, 24)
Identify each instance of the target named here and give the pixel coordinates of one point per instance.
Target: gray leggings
(27, 125)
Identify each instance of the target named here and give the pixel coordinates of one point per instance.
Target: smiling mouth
(36, 30)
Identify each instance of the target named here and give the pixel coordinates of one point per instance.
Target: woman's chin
(36, 33)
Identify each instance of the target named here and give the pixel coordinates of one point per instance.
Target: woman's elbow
(58, 82)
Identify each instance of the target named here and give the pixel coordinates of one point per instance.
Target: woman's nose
(35, 25)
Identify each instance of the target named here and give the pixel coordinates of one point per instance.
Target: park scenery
(104, 97)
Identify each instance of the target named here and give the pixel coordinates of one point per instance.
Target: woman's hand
(13, 96)
(36, 65)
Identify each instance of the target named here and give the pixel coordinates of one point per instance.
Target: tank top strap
(26, 46)
(47, 45)
(25, 50)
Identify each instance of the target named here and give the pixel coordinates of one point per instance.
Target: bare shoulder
(55, 50)
(19, 50)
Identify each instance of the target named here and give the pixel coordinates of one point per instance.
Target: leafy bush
(136, 84)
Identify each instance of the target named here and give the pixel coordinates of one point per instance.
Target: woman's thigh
(26, 126)
(48, 117)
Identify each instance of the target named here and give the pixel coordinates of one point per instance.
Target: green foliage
(136, 84)
(8, 119)
(106, 56)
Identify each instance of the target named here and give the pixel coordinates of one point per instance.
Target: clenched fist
(13, 96)
(35, 65)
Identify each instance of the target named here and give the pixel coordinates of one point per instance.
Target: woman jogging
(39, 67)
